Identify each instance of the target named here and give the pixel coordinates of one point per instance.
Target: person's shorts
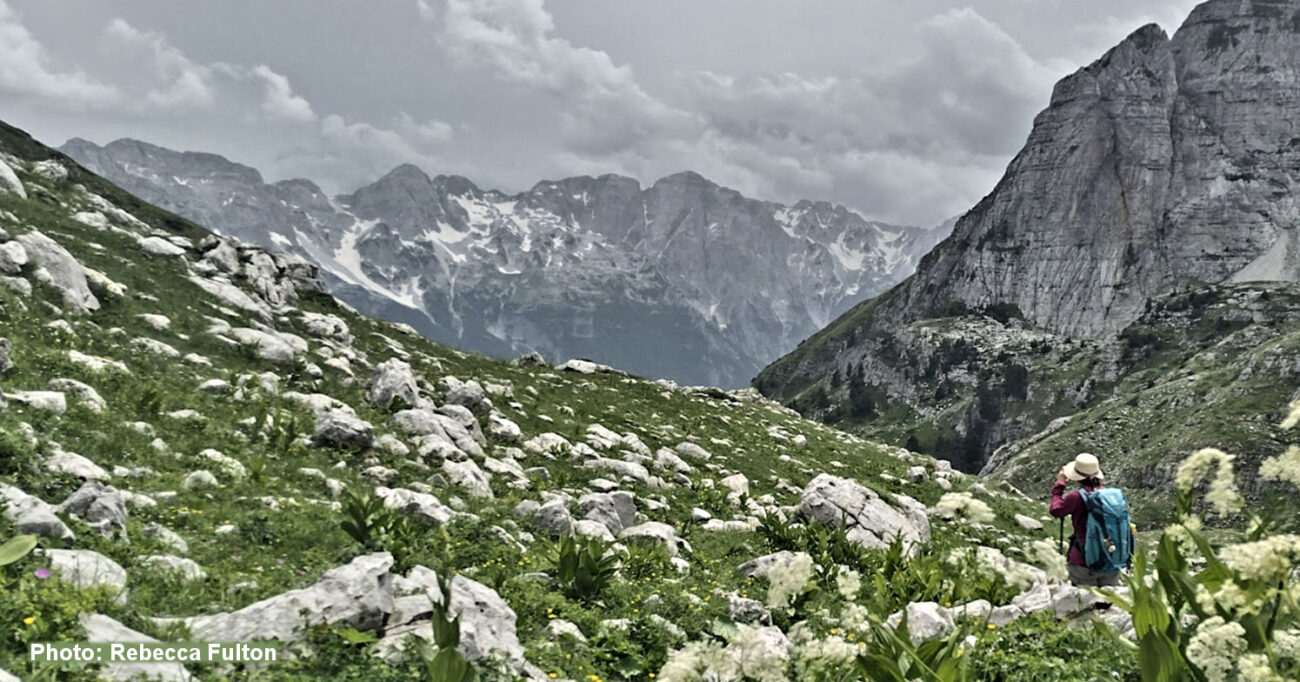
(1083, 576)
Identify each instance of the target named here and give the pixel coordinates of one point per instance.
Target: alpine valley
(248, 413)
(684, 279)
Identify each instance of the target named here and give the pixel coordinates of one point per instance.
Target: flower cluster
(848, 582)
(964, 507)
(1286, 644)
(1223, 494)
(1044, 554)
(1256, 668)
(1268, 559)
(787, 581)
(751, 653)
(1215, 648)
(1284, 467)
(1181, 533)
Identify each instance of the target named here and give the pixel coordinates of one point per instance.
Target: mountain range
(683, 279)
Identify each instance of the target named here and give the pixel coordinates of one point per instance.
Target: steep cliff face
(684, 279)
(1167, 164)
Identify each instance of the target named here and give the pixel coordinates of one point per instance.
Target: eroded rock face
(101, 628)
(342, 429)
(1166, 164)
(357, 594)
(487, 623)
(61, 271)
(871, 521)
(1156, 165)
(392, 380)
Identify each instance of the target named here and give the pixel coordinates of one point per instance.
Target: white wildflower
(855, 617)
(822, 658)
(788, 581)
(696, 662)
(963, 507)
(848, 582)
(1255, 668)
(752, 653)
(1230, 596)
(1268, 559)
(1215, 648)
(1284, 467)
(1044, 554)
(1222, 493)
(1182, 536)
(990, 563)
(1204, 598)
(1293, 417)
(759, 656)
(1286, 644)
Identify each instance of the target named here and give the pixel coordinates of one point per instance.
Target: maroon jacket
(1072, 505)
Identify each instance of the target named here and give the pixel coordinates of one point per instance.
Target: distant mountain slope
(684, 279)
(1166, 166)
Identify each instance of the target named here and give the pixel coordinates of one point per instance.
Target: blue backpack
(1108, 542)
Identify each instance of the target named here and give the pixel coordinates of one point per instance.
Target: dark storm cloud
(903, 111)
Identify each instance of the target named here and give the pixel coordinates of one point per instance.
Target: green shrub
(1040, 648)
(584, 567)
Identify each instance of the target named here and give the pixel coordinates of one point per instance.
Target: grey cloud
(903, 111)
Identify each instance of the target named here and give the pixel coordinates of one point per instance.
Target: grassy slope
(275, 550)
(1212, 368)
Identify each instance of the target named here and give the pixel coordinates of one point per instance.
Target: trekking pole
(1060, 537)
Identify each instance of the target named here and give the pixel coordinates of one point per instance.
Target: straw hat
(1083, 466)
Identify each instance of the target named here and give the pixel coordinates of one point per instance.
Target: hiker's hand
(1060, 476)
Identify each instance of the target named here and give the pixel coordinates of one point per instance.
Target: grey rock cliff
(1169, 163)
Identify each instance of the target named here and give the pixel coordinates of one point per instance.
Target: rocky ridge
(683, 279)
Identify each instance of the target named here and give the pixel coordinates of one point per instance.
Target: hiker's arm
(1062, 505)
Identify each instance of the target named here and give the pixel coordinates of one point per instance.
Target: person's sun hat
(1083, 466)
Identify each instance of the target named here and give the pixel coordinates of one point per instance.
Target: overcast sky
(905, 110)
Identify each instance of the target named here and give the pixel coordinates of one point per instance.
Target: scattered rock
(392, 380)
(654, 532)
(60, 270)
(925, 621)
(30, 514)
(102, 629)
(84, 394)
(186, 568)
(85, 568)
(487, 623)
(553, 518)
(9, 182)
(1028, 522)
(358, 594)
(200, 479)
(48, 401)
(342, 429)
(12, 258)
(101, 506)
(72, 464)
(871, 521)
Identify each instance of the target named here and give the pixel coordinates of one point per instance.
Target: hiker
(1101, 542)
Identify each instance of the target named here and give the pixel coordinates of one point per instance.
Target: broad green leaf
(16, 548)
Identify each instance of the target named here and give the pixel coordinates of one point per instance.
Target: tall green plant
(584, 567)
(443, 661)
(377, 528)
(1208, 613)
